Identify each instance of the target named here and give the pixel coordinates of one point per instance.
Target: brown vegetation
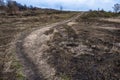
(11, 26)
(86, 51)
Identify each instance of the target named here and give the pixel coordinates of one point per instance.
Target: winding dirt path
(31, 46)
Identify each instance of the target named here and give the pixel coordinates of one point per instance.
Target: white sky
(72, 4)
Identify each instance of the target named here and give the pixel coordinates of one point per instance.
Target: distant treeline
(92, 14)
(13, 7)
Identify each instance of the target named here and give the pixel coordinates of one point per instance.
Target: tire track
(30, 68)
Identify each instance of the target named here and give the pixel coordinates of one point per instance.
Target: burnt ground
(87, 50)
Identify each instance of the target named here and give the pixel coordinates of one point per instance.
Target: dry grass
(10, 26)
(86, 51)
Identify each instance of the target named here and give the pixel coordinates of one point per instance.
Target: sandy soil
(111, 20)
(31, 47)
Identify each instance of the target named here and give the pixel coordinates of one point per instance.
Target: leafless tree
(116, 8)
(61, 8)
(1, 2)
(2, 6)
(12, 7)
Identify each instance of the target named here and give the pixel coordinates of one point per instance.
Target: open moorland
(58, 45)
(11, 26)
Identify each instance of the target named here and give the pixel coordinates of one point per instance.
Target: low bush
(104, 14)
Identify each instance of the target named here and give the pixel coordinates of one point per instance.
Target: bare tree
(12, 7)
(2, 6)
(61, 8)
(1, 2)
(116, 8)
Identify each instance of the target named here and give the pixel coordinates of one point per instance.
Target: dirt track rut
(30, 47)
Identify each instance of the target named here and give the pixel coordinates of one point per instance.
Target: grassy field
(11, 26)
(87, 50)
(84, 49)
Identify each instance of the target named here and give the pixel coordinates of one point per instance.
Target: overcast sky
(73, 5)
